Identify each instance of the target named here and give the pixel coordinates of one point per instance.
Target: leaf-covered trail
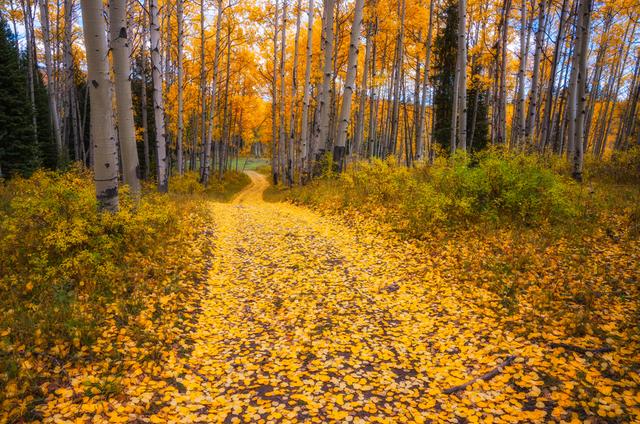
(302, 315)
(306, 320)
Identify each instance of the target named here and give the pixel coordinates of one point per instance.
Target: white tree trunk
(535, 83)
(349, 86)
(179, 147)
(425, 81)
(51, 92)
(158, 101)
(358, 136)
(283, 55)
(294, 97)
(304, 128)
(321, 130)
(124, 103)
(520, 115)
(214, 88)
(105, 151)
(274, 101)
(581, 85)
(462, 80)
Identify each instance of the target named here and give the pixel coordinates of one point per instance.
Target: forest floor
(299, 317)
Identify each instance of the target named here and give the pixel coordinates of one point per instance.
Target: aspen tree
(462, 77)
(102, 128)
(582, 46)
(321, 130)
(51, 92)
(124, 103)
(281, 116)
(349, 86)
(158, 100)
(179, 147)
(275, 165)
(359, 131)
(294, 95)
(304, 127)
(213, 97)
(425, 81)
(535, 78)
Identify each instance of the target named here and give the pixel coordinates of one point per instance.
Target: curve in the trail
(253, 192)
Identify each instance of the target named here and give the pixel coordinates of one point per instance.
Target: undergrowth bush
(495, 187)
(63, 264)
(623, 167)
(220, 189)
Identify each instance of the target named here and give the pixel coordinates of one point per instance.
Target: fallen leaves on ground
(295, 323)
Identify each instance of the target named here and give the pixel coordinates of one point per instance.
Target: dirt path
(305, 320)
(252, 193)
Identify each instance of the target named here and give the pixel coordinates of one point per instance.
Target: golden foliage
(304, 318)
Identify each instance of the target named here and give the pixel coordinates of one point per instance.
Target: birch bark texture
(102, 129)
(349, 86)
(124, 103)
(304, 126)
(158, 101)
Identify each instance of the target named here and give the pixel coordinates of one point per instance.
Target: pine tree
(478, 116)
(19, 153)
(445, 53)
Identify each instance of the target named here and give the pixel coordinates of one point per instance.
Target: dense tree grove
(349, 211)
(379, 78)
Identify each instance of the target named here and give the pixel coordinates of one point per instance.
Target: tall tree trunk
(349, 86)
(283, 55)
(204, 141)
(391, 147)
(535, 78)
(30, 41)
(359, 131)
(462, 80)
(70, 117)
(225, 114)
(548, 110)
(124, 103)
(425, 81)
(321, 130)
(158, 100)
(582, 47)
(51, 92)
(214, 95)
(102, 128)
(502, 92)
(274, 101)
(304, 128)
(519, 117)
(179, 148)
(294, 98)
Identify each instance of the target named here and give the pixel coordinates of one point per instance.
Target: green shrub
(494, 187)
(62, 263)
(623, 167)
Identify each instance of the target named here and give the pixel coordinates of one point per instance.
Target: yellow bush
(63, 264)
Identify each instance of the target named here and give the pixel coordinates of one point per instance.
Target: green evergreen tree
(19, 152)
(478, 116)
(445, 50)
